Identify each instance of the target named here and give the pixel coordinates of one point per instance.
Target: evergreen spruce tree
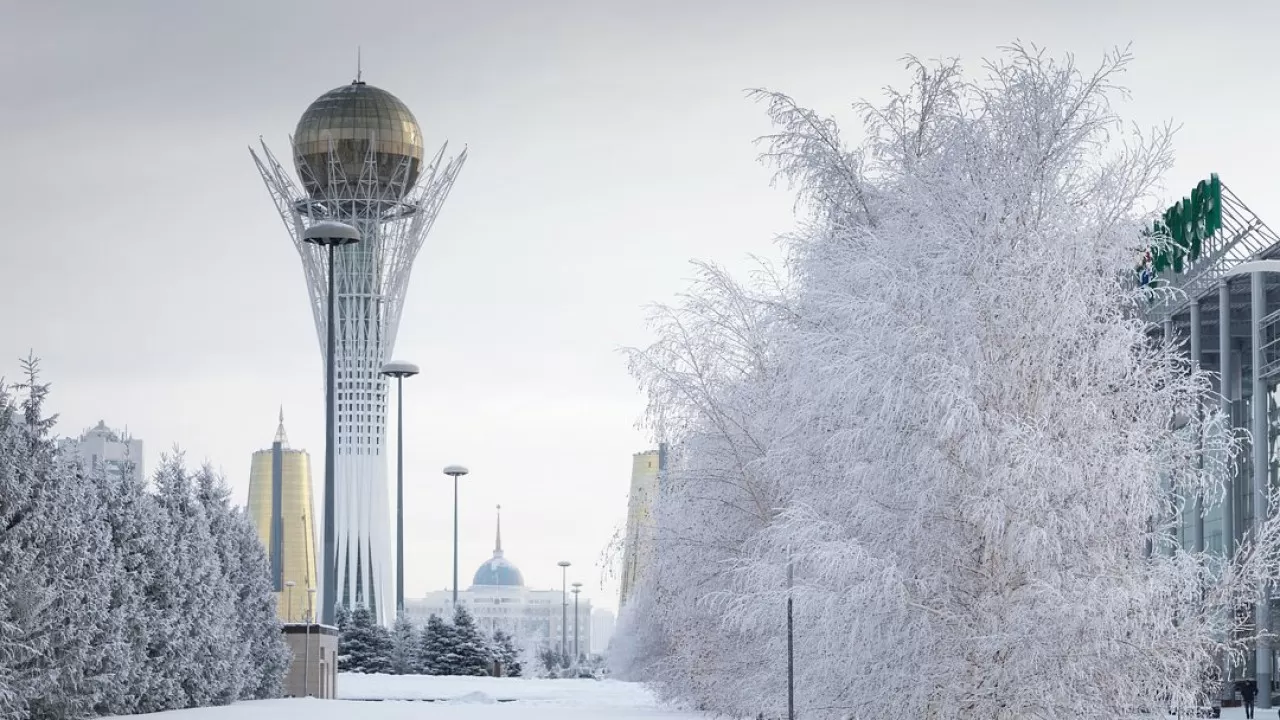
(231, 658)
(203, 595)
(436, 648)
(260, 654)
(382, 650)
(367, 643)
(342, 620)
(33, 616)
(404, 647)
(269, 655)
(470, 648)
(126, 626)
(506, 653)
(115, 600)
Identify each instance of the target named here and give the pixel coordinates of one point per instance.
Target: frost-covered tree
(404, 646)
(259, 653)
(506, 653)
(96, 612)
(950, 420)
(471, 654)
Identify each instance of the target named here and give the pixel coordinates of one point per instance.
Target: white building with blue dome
(499, 600)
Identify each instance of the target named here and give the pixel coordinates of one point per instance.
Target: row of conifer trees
(437, 648)
(118, 594)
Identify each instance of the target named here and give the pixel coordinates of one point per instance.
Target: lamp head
(330, 232)
(456, 471)
(563, 563)
(400, 369)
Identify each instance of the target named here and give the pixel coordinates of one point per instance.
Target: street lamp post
(288, 597)
(791, 657)
(455, 472)
(306, 665)
(564, 610)
(577, 588)
(330, 235)
(399, 370)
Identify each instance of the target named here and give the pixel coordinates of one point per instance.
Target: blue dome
(497, 570)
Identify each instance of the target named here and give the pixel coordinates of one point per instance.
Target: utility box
(314, 670)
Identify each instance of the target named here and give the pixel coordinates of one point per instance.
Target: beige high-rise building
(292, 547)
(637, 552)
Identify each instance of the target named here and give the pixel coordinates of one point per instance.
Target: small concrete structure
(314, 670)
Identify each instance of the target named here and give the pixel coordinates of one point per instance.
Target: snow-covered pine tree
(33, 617)
(383, 649)
(404, 646)
(231, 659)
(472, 652)
(269, 655)
(131, 530)
(367, 644)
(261, 657)
(342, 621)
(204, 599)
(161, 687)
(505, 652)
(436, 648)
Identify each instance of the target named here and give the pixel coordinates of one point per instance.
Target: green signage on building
(1176, 238)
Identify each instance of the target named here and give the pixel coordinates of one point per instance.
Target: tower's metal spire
(359, 67)
(497, 547)
(281, 437)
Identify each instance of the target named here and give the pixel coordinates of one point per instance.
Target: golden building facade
(646, 469)
(297, 549)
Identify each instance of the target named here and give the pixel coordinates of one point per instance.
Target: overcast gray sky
(610, 143)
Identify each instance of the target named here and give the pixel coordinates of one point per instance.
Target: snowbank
(527, 691)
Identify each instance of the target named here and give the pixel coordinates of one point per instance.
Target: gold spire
(281, 437)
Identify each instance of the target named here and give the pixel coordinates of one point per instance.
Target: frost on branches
(118, 598)
(951, 420)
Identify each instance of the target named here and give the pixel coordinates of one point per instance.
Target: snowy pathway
(406, 698)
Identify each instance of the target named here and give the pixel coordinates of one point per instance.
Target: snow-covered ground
(395, 697)
(456, 698)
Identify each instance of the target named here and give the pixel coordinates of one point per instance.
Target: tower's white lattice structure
(358, 152)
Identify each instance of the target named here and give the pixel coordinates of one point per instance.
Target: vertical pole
(329, 591)
(576, 653)
(399, 495)
(306, 665)
(1197, 530)
(564, 613)
(455, 541)
(791, 655)
(1258, 310)
(1226, 383)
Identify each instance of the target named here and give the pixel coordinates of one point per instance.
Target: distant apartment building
(113, 451)
(637, 552)
(602, 625)
(280, 477)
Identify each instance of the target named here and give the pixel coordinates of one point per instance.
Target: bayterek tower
(358, 153)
